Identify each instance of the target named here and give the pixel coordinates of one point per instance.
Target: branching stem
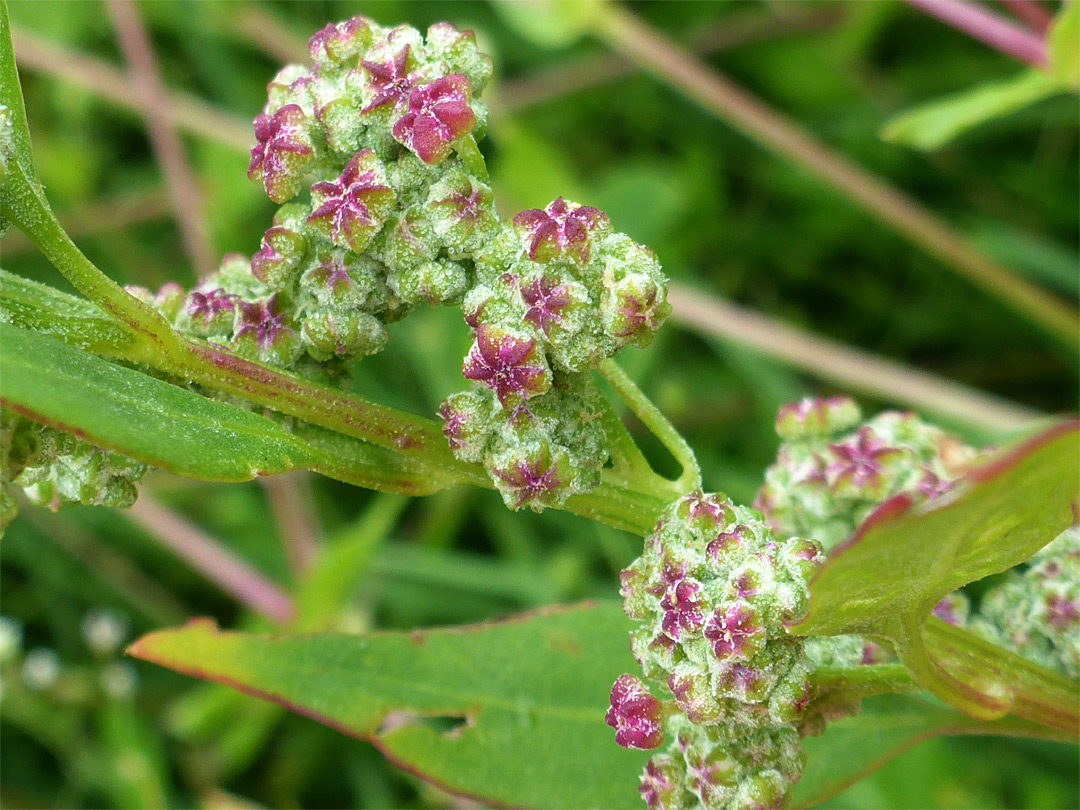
(651, 416)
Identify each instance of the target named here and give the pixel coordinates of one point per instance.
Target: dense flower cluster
(384, 127)
(1037, 613)
(712, 592)
(557, 293)
(54, 468)
(825, 481)
(382, 132)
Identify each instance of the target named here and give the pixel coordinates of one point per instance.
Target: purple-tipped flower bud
(210, 313)
(282, 152)
(463, 212)
(636, 716)
(265, 330)
(682, 609)
(735, 632)
(278, 260)
(953, 609)
(439, 114)
(813, 416)
(662, 784)
(342, 43)
(466, 424)
(511, 365)
(562, 230)
(635, 310)
(390, 81)
(860, 464)
(531, 476)
(349, 211)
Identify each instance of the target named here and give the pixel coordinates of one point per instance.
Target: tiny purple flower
(263, 322)
(814, 416)
(636, 311)
(636, 716)
(952, 609)
(336, 43)
(512, 366)
(1061, 612)
(725, 543)
(529, 480)
(660, 783)
(439, 114)
(282, 151)
(210, 305)
(546, 300)
(736, 632)
(563, 228)
(333, 275)
(352, 209)
(391, 81)
(278, 257)
(455, 424)
(682, 608)
(858, 461)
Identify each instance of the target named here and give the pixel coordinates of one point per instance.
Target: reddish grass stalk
(987, 27)
(627, 34)
(187, 203)
(1033, 15)
(210, 558)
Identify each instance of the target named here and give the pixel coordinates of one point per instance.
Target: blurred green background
(83, 728)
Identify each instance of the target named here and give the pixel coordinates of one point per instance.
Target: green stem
(656, 422)
(25, 205)
(862, 681)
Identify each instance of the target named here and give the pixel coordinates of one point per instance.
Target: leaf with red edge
(906, 556)
(526, 698)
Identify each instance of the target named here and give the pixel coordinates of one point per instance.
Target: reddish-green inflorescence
(712, 593)
(1037, 612)
(382, 132)
(53, 469)
(831, 471)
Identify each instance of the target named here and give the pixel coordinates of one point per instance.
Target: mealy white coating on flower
(713, 591)
(825, 481)
(1036, 613)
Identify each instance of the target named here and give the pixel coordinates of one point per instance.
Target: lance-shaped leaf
(528, 697)
(854, 747)
(174, 428)
(906, 556)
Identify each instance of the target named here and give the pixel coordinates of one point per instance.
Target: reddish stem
(987, 27)
(1029, 12)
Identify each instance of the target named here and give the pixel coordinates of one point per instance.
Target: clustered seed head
(381, 133)
(556, 293)
(828, 478)
(741, 768)
(55, 468)
(1037, 613)
(712, 592)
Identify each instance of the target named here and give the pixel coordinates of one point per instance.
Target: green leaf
(41, 308)
(1063, 45)
(174, 428)
(532, 692)
(853, 747)
(906, 556)
(932, 125)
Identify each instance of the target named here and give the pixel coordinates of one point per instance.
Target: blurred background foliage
(82, 729)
